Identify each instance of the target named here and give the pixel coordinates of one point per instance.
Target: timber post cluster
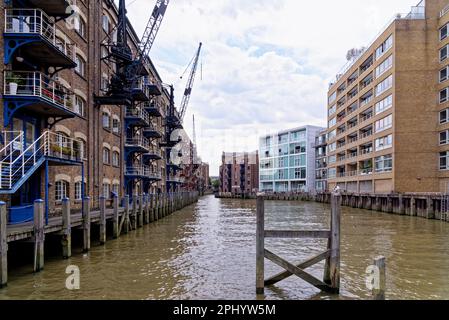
(134, 213)
(331, 278)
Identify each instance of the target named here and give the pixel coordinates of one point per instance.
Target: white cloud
(266, 63)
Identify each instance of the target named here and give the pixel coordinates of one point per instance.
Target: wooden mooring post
(380, 285)
(140, 212)
(115, 218)
(102, 220)
(3, 246)
(39, 235)
(86, 224)
(331, 281)
(66, 239)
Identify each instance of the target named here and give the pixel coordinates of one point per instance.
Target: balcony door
(29, 128)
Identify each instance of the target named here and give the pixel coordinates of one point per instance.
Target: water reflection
(207, 251)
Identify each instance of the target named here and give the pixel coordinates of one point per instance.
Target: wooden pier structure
(331, 278)
(125, 217)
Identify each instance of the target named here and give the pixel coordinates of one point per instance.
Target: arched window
(80, 26)
(107, 190)
(116, 125)
(116, 159)
(79, 190)
(61, 190)
(80, 65)
(82, 148)
(105, 23)
(62, 139)
(79, 106)
(106, 120)
(106, 156)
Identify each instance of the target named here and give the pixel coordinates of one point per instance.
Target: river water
(207, 251)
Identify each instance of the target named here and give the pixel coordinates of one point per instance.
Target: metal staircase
(18, 163)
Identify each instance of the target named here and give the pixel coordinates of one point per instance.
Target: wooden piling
(115, 217)
(379, 291)
(126, 218)
(332, 267)
(134, 213)
(140, 213)
(260, 245)
(66, 240)
(412, 206)
(430, 210)
(102, 220)
(152, 216)
(159, 207)
(86, 224)
(3, 246)
(39, 235)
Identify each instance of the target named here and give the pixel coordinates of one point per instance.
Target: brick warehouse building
(239, 173)
(56, 141)
(388, 108)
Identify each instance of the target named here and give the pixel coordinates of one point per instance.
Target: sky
(266, 65)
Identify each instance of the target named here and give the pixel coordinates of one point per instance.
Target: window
(444, 74)
(332, 134)
(116, 188)
(116, 125)
(332, 173)
(384, 66)
(332, 110)
(105, 23)
(283, 138)
(298, 161)
(61, 190)
(384, 164)
(384, 85)
(79, 106)
(298, 174)
(444, 137)
(79, 191)
(80, 26)
(80, 65)
(444, 116)
(104, 52)
(332, 159)
(333, 97)
(62, 140)
(444, 160)
(384, 104)
(107, 190)
(298, 136)
(332, 147)
(106, 120)
(106, 156)
(384, 47)
(104, 83)
(116, 159)
(82, 146)
(443, 53)
(384, 124)
(444, 95)
(297, 148)
(384, 143)
(332, 122)
(443, 33)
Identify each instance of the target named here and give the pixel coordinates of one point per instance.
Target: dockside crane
(130, 69)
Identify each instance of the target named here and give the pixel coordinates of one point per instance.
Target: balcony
(37, 93)
(55, 8)
(154, 109)
(366, 134)
(137, 145)
(154, 89)
(151, 132)
(174, 121)
(175, 180)
(137, 117)
(142, 172)
(34, 32)
(366, 117)
(140, 91)
(352, 155)
(152, 155)
(352, 124)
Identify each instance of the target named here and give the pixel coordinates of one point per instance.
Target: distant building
(204, 180)
(287, 160)
(239, 173)
(321, 162)
(388, 109)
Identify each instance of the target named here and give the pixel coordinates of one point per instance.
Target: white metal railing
(138, 112)
(155, 152)
(444, 11)
(36, 21)
(13, 168)
(417, 14)
(139, 142)
(36, 84)
(16, 143)
(142, 171)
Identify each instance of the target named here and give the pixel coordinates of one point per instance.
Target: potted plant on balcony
(14, 82)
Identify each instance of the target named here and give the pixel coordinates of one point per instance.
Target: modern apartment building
(388, 108)
(57, 141)
(239, 173)
(287, 160)
(321, 162)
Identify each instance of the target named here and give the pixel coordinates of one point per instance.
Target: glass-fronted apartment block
(321, 162)
(387, 109)
(287, 160)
